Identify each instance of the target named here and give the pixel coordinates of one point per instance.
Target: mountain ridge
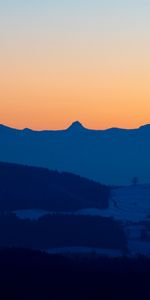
(112, 156)
(76, 125)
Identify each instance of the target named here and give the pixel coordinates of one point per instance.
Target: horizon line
(73, 124)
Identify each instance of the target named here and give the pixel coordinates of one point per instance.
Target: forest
(36, 275)
(24, 187)
(58, 231)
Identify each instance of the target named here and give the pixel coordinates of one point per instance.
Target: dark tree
(135, 180)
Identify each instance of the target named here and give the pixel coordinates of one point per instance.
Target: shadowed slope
(24, 187)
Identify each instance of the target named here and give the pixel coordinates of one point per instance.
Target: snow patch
(31, 214)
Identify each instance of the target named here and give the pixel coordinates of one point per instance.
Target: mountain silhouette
(112, 156)
(76, 126)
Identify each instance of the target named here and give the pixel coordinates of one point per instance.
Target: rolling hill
(23, 187)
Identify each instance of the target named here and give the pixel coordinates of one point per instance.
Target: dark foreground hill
(23, 187)
(26, 274)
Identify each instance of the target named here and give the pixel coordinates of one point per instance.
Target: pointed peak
(76, 126)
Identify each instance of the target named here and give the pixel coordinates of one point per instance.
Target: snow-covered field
(129, 204)
(31, 214)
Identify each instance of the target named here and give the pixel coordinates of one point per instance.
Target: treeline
(26, 274)
(57, 231)
(23, 187)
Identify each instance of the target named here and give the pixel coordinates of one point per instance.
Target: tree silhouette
(135, 181)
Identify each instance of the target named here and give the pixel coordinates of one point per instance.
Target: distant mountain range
(112, 156)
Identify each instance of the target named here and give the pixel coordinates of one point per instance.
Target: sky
(67, 60)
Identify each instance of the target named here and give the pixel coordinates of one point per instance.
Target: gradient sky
(66, 60)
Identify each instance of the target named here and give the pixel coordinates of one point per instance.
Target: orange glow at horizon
(52, 100)
(88, 64)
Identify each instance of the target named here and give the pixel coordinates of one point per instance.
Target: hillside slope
(23, 187)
